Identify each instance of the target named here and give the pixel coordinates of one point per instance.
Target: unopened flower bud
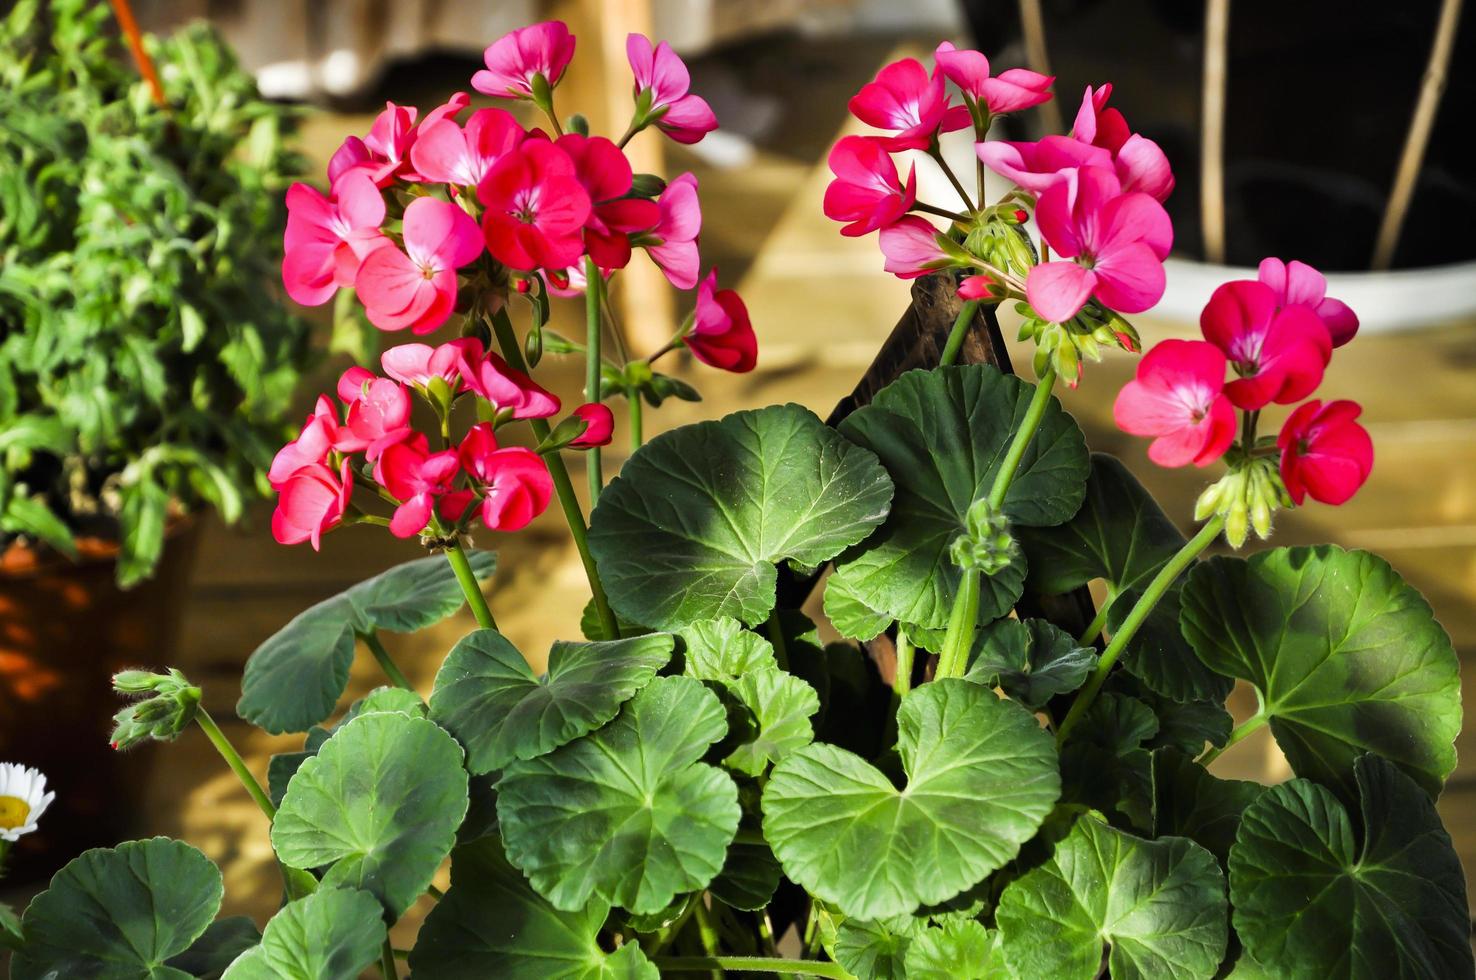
(986, 544)
(137, 681)
(647, 185)
(1020, 216)
(171, 709)
(577, 124)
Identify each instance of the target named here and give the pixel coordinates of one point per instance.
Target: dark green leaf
(1105, 765)
(141, 520)
(331, 934)
(749, 877)
(1031, 660)
(218, 947)
(1189, 802)
(416, 594)
(30, 516)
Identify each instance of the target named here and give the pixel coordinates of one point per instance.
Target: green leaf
(492, 924)
(490, 699)
(1104, 763)
(142, 517)
(876, 949)
(849, 615)
(749, 878)
(1189, 802)
(1159, 905)
(1314, 897)
(694, 524)
(942, 435)
(1121, 535)
(284, 765)
(120, 913)
(782, 706)
(218, 946)
(31, 516)
(981, 778)
(960, 949)
(721, 650)
(1347, 657)
(626, 814)
(331, 934)
(10, 924)
(380, 802)
(295, 678)
(1031, 660)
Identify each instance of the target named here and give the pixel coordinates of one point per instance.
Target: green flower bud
(986, 544)
(171, 709)
(137, 681)
(647, 186)
(577, 124)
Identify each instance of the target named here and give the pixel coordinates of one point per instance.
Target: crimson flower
(416, 288)
(599, 424)
(721, 333)
(1037, 166)
(1279, 354)
(327, 239)
(1325, 453)
(1178, 398)
(312, 502)
(906, 100)
(605, 173)
(1140, 163)
(1012, 90)
(866, 191)
(507, 389)
(1298, 284)
(658, 71)
(536, 208)
(445, 153)
(418, 479)
(515, 58)
(514, 482)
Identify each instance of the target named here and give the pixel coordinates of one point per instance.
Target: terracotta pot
(65, 629)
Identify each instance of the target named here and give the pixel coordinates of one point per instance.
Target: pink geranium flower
(514, 483)
(320, 434)
(721, 333)
(866, 191)
(1325, 453)
(673, 242)
(1279, 355)
(1298, 284)
(416, 288)
(605, 173)
(536, 208)
(328, 239)
(312, 502)
(1178, 398)
(912, 248)
(378, 411)
(1140, 163)
(351, 154)
(1037, 166)
(418, 479)
(420, 364)
(906, 100)
(1112, 247)
(507, 389)
(513, 59)
(445, 153)
(658, 71)
(599, 423)
(1011, 91)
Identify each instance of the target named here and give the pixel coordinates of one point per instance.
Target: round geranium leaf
(1347, 657)
(331, 934)
(489, 698)
(1032, 660)
(1189, 802)
(721, 650)
(378, 805)
(1315, 897)
(981, 778)
(416, 594)
(120, 913)
(697, 519)
(876, 949)
(749, 878)
(627, 814)
(959, 949)
(782, 706)
(492, 924)
(942, 435)
(218, 947)
(1159, 906)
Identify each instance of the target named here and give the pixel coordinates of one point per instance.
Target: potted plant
(146, 363)
(694, 782)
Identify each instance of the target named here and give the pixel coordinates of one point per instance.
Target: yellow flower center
(13, 812)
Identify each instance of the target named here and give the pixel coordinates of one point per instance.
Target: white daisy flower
(23, 798)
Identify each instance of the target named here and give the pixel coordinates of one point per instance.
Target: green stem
(1251, 724)
(961, 625)
(1039, 402)
(563, 486)
(1165, 578)
(1098, 624)
(469, 587)
(707, 929)
(390, 668)
(387, 961)
(592, 286)
(633, 399)
(941, 212)
(906, 652)
(937, 155)
(956, 335)
(754, 964)
(233, 759)
(776, 639)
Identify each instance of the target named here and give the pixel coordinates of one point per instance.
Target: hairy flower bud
(163, 716)
(1247, 497)
(986, 544)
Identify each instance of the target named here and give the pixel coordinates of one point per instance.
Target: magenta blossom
(378, 412)
(536, 208)
(721, 335)
(1325, 453)
(1112, 246)
(662, 77)
(1037, 166)
(674, 239)
(605, 173)
(445, 153)
(1140, 163)
(312, 502)
(599, 423)
(507, 389)
(1178, 398)
(1298, 284)
(514, 482)
(913, 247)
(515, 58)
(416, 288)
(418, 479)
(327, 239)
(1012, 90)
(320, 434)
(1279, 355)
(392, 137)
(906, 100)
(866, 191)
(421, 364)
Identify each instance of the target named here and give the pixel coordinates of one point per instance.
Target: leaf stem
(962, 621)
(469, 587)
(707, 929)
(906, 652)
(387, 961)
(633, 399)
(592, 287)
(1034, 413)
(1098, 624)
(776, 639)
(1165, 578)
(1251, 724)
(563, 486)
(386, 663)
(755, 964)
(956, 335)
(937, 154)
(941, 212)
(233, 759)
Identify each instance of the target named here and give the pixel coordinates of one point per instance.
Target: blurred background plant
(146, 362)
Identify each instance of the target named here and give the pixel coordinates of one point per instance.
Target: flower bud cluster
(166, 706)
(986, 544)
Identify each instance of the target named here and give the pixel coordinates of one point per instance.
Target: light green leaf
(1031, 660)
(876, 949)
(142, 517)
(849, 615)
(31, 516)
(380, 802)
(1189, 802)
(981, 778)
(120, 913)
(1347, 657)
(1159, 905)
(782, 706)
(694, 524)
(960, 949)
(626, 814)
(332, 934)
(490, 699)
(721, 650)
(942, 435)
(1314, 897)
(492, 924)
(10, 924)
